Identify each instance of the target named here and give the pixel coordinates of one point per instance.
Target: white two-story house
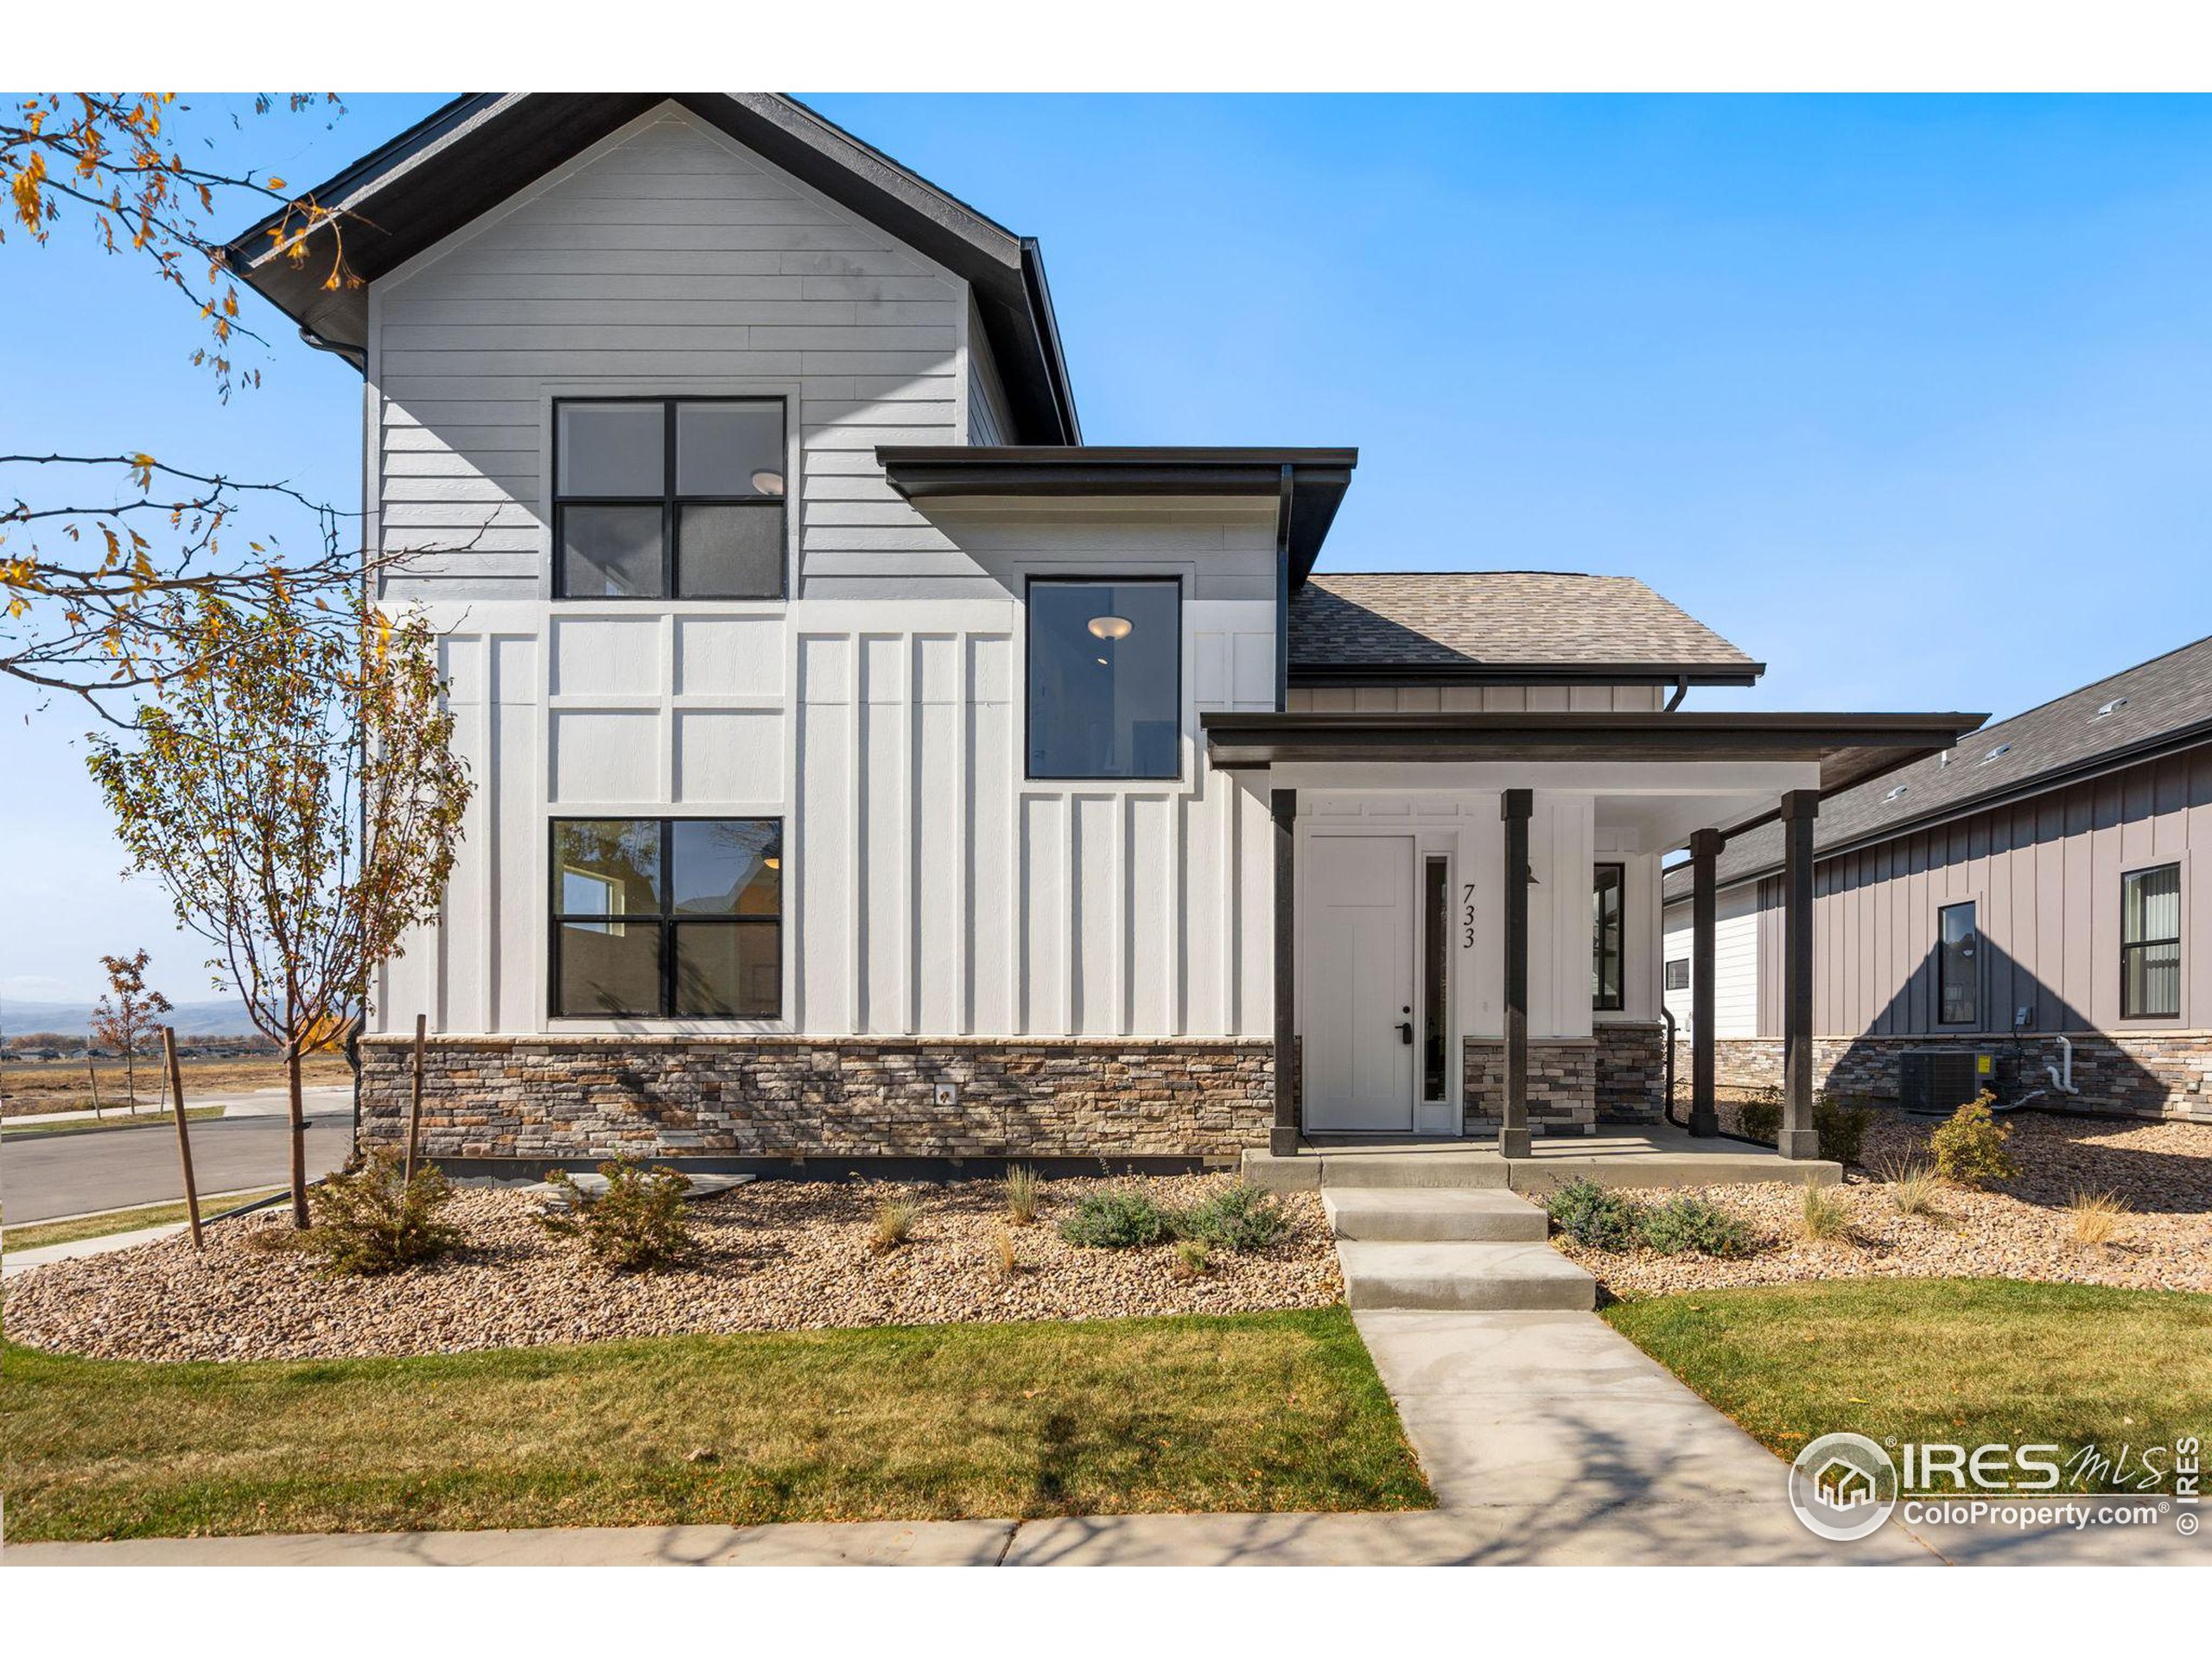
(867, 768)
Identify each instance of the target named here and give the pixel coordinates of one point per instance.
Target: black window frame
(1092, 579)
(666, 918)
(1943, 979)
(1667, 981)
(2126, 944)
(1600, 1002)
(671, 503)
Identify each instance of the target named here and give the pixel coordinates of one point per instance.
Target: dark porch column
(1282, 1138)
(1513, 1113)
(1705, 1116)
(1799, 1138)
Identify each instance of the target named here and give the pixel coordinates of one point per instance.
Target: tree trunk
(130, 1081)
(299, 1120)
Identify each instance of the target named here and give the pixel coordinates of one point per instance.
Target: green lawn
(1964, 1361)
(1250, 1412)
(21, 1129)
(36, 1234)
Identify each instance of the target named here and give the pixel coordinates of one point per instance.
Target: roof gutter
(1678, 675)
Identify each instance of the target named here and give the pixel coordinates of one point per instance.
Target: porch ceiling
(1848, 748)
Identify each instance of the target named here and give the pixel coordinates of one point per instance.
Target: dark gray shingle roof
(2165, 696)
(1498, 619)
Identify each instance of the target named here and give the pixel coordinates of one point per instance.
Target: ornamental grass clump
(1969, 1146)
(372, 1219)
(1597, 1216)
(894, 1224)
(1192, 1260)
(1115, 1221)
(1914, 1185)
(1693, 1226)
(1020, 1194)
(2094, 1217)
(1241, 1219)
(1823, 1215)
(638, 1223)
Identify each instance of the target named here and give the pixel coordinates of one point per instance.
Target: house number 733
(1467, 916)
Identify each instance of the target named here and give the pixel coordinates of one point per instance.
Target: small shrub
(373, 1220)
(1842, 1129)
(1191, 1259)
(1969, 1147)
(1822, 1213)
(638, 1223)
(2094, 1217)
(1914, 1185)
(1597, 1216)
(1243, 1218)
(1115, 1221)
(1760, 1117)
(1020, 1194)
(1009, 1257)
(894, 1224)
(1690, 1226)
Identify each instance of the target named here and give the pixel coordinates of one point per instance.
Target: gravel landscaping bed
(2020, 1231)
(775, 1255)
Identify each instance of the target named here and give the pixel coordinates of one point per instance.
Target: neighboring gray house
(868, 767)
(2031, 891)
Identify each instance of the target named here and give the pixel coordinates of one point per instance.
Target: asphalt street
(48, 1175)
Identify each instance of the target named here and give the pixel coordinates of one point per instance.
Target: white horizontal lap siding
(1735, 962)
(666, 259)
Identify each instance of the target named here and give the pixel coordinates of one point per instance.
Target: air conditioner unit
(1937, 1081)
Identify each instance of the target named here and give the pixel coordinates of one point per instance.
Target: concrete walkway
(15, 1261)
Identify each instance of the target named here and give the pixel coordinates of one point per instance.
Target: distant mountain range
(222, 1018)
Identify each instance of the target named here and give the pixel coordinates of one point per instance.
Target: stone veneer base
(560, 1097)
(2130, 1074)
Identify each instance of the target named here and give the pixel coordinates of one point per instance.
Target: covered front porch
(1467, 951)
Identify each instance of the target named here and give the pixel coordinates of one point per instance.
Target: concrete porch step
(1429, 1215)
(1463, 1275)
(1431, 1166)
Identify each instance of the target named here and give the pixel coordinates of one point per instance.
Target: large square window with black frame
(2150, 943)
(1105, 679)
(668, 918)
(1608, 889)
(668, 498)
(1958, 980)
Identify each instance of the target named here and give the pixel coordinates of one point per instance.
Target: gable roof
(1371, 626)
(468, 158)
(2167, 705)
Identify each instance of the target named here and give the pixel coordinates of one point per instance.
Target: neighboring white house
(867, 767)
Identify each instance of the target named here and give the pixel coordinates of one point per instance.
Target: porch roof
(1848, 748)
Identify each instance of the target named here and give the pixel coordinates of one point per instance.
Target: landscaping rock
(774, 1255)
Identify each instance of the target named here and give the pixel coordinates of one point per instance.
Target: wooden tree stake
(184, 1135)
(93, 1071)
(414, 1102)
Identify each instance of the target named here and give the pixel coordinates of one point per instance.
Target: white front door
(1356, 956)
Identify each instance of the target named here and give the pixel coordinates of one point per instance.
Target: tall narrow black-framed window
(660, 498)
(1435, 954)
(1678, 974)
(1608, 892)
(667, 918)
(1958, 975)
(1105, 678)
(2150, 943)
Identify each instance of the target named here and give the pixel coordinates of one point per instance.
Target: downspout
(1681, 691)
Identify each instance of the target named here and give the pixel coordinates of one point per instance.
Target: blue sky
(1910, 397)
